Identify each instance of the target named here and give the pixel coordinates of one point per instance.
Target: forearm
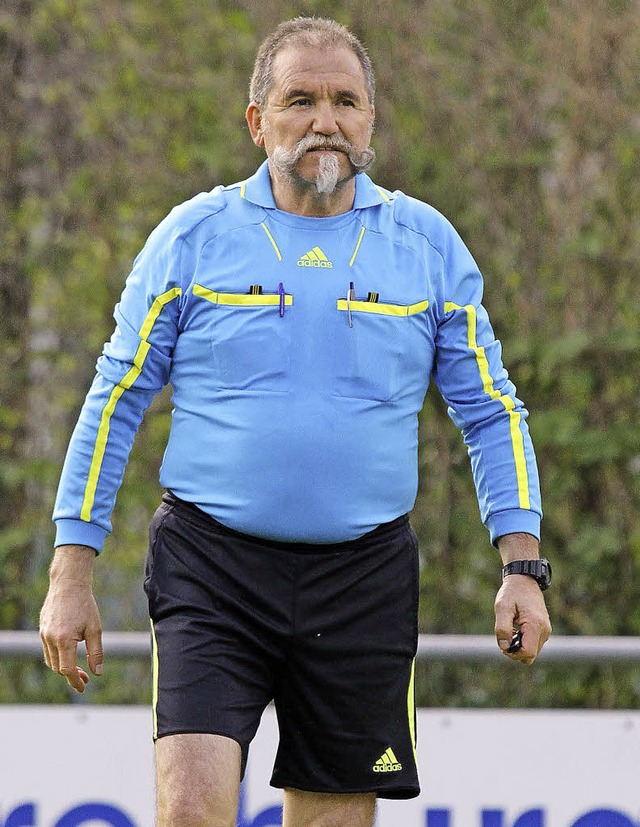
(518, 546)
(96, 458)
(483, 404)
(72, 564)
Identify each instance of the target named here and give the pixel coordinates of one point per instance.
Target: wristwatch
(540, 570)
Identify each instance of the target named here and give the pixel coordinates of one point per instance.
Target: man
(299, 316)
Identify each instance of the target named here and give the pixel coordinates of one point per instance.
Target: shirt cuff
(78, 533)
(513, 521)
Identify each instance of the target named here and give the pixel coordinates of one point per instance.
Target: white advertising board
(86, 766)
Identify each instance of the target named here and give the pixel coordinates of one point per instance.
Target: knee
(305, 809)
(179, 808)
(197, 780)
(183, 806)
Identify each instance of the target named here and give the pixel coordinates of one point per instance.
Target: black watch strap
(540, 570)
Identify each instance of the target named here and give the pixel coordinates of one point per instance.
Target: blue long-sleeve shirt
(299, 351)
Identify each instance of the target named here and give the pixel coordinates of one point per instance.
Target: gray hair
(319, 32)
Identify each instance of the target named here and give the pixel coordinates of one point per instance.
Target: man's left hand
(520, 604)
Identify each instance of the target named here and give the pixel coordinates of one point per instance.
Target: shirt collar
(257, 189)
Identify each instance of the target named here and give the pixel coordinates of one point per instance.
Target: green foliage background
(518, 120)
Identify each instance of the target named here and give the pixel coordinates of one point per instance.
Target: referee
(299, 317)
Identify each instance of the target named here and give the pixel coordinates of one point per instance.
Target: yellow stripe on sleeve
(156, 309)
(107, 412)
(517, 441)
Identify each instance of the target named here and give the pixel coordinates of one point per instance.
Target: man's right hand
(70, 614)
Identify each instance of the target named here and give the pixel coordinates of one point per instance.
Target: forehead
(311, 67)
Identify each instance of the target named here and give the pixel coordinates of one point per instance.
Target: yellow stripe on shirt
(272, 240)
(382, 309)
(358, 243)
(107, 412)
(241, 299)
(517, 441)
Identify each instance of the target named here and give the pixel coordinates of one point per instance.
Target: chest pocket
(383, 349)
(250, 340)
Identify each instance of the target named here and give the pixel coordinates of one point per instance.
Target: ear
(254, 121)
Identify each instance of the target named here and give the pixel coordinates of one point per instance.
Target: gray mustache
(312, 142)
(360, 160)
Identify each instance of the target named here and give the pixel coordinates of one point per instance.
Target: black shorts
(328, 632)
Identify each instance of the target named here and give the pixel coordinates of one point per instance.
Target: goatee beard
(328, 173)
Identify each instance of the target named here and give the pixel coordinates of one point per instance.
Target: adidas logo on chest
(314, 258)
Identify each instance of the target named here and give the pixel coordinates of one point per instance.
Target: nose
(324, 120)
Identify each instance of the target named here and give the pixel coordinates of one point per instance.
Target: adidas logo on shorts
(387, 762)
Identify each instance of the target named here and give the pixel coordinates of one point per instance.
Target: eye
(346, 102)
(301, 102)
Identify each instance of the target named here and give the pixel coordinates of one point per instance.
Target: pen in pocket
(256, 290)
(351, 297)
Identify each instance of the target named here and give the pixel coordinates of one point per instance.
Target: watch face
(545, 574)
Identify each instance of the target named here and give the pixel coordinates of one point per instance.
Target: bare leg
(198, 779)
(304, 809)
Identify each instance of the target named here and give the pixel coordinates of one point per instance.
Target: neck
(302, 198)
